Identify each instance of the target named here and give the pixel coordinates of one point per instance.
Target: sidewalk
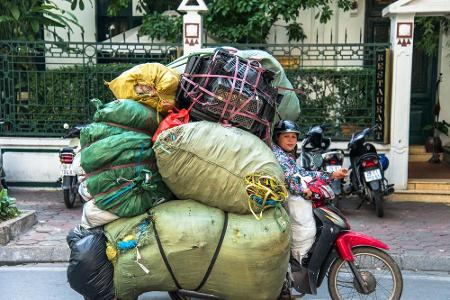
(418, 233)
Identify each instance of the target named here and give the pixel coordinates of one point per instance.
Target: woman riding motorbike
(286, 134)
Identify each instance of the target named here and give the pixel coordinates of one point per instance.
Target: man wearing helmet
(286, 134)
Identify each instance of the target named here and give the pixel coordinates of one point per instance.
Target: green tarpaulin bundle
(122, 176)
(127, 113)
(207, 162)
(97, 131)
(252, 260)
(125, 148)
(128, 191)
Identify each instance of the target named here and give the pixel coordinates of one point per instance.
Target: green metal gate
(46, 84)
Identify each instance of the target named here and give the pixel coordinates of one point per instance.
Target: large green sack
(207, 162)
(127, 191)
(97, 131)
(251, 264)
(289, 107)
(119, 149)
(127, 113)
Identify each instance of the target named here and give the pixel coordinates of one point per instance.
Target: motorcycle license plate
(333, 168)
(372, 175)
(67, 170)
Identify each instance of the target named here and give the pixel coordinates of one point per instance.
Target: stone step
(417, 153)
(417, 149)
(424, 190)
(429, 196)
(429, 184)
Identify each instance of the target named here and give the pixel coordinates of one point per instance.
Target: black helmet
(286, 126)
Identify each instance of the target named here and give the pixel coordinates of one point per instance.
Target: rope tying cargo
(265, 191)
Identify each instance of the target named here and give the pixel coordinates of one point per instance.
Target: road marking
(33, 268)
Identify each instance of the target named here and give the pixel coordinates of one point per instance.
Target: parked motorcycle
(367, 171)
(315, 156)
(356, 264)
(69, 180)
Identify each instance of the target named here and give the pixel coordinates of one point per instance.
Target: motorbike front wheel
(379, 271)
(70, 194)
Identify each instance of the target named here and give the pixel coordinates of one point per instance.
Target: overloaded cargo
(232, 239)
(152, 84)
(252, 259)
(225, 88)
(207, 162)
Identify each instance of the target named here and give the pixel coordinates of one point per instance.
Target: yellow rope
(264, 191)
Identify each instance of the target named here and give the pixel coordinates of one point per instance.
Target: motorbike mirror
(66, 126)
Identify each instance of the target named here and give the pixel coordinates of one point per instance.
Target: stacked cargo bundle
(225, 225)
(117, 158)
(226, 88)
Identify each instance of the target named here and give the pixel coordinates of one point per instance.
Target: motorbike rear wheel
(377, 200)
(380, 272)
(70, 194)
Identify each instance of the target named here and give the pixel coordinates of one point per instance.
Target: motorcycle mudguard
(375, 185)
(350, 239)
(66, 182)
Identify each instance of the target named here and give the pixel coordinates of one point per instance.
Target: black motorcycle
(315, 155)
(367, 171)
(69, 180)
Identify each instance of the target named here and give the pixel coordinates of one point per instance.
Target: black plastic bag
(90, 273)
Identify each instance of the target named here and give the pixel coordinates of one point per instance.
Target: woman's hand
(307, 193)
(339, 174)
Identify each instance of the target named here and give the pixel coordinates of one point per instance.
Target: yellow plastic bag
(152, 84)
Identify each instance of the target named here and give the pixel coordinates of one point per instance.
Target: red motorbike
(357, 265)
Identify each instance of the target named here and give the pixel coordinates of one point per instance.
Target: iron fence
(46, 84)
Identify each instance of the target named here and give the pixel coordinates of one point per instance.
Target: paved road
(48, 282)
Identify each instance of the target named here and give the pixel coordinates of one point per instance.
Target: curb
(14, 255)
(423, 262)
(14, 227)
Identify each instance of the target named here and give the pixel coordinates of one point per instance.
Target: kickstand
(360, 204)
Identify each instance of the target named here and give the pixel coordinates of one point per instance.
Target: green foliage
(250, 21)
(24, 19)
(158, 26)
(335, 97)
(8, 209)
(440, 126)
(234, 21)
(429, 29)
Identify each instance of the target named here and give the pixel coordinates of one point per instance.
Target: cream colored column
(402, 30)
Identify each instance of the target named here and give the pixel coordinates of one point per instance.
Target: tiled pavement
(418, 233)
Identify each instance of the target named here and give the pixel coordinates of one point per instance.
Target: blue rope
(119, 193)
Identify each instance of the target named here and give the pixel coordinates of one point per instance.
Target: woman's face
(287, 141)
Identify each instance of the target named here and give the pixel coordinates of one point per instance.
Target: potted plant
(433, 144)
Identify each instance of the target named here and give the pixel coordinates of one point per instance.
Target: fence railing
(46, 84)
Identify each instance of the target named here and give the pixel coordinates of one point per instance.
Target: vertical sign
(380, 95)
